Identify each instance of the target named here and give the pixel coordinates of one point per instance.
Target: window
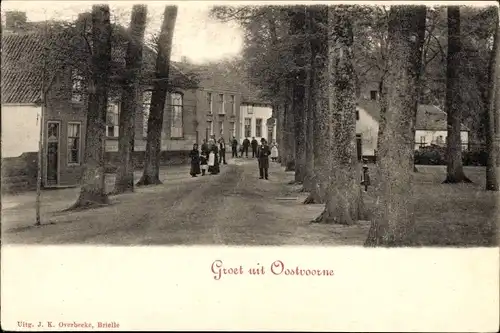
(221, 104)
(221, 128)
(146, 104)
(248, 127)
(74, 143)
(210, 127)
(176, 129)
(76, 87)
(232, 105)
(232, 129)
(112, 120)
(249, 109)
(357, 114)
(373, 95)
(258, 127)
(209, 102)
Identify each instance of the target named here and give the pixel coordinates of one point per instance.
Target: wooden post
(40, 154)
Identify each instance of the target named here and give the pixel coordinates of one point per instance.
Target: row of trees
(311, 62)
(91, 45)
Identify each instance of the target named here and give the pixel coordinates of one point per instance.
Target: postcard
(250, 166)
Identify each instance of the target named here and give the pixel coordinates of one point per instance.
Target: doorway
(52, 156)
(359, 146)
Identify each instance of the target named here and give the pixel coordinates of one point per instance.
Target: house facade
(217, 113)
(430, 127)
(220, 98)
(254, 122)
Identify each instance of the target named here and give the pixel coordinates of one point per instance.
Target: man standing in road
(255, 144)
(245, 145)
(222, 150)
(234, 147)
(263, 153)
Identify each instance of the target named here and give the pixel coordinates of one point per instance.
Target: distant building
(254, 122)
(226, 102)
(430, 127)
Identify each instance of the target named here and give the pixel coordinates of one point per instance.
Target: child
(365, 176)
(203, 162)
(274, 152)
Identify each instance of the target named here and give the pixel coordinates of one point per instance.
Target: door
(359, 146)
(52, 172)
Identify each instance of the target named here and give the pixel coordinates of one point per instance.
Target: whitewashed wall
(20, 129)
(432, 137)
(261, 112)
(367, 126)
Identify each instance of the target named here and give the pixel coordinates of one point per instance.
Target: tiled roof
(223, 77)
(21, 80)
(429, 117)
(211, 76)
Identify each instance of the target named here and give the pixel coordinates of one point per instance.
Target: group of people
(208, 159)
(246, 144)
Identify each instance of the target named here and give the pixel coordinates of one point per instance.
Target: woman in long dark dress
(195, 161)
(215, 169)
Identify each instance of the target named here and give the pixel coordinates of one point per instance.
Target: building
(254, 122)
(430, 127)
(226, 101)
(65, 114)
(218, 100)
(203, 101)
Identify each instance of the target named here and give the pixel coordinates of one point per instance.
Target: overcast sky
(196, 36)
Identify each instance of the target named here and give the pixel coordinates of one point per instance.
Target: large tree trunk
(289, 143)
(92, 190)
(310, 108)
(319, 105)
(133, 62)
(492, 114)
(393, 221)
(278, 106)
(151, 173)
(297, 27)
(454, 168)
(344, 192)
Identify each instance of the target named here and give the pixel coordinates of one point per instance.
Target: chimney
(15, 21)
(84, 22)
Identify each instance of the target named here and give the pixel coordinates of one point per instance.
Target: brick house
(65, 116)
(218, 100)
